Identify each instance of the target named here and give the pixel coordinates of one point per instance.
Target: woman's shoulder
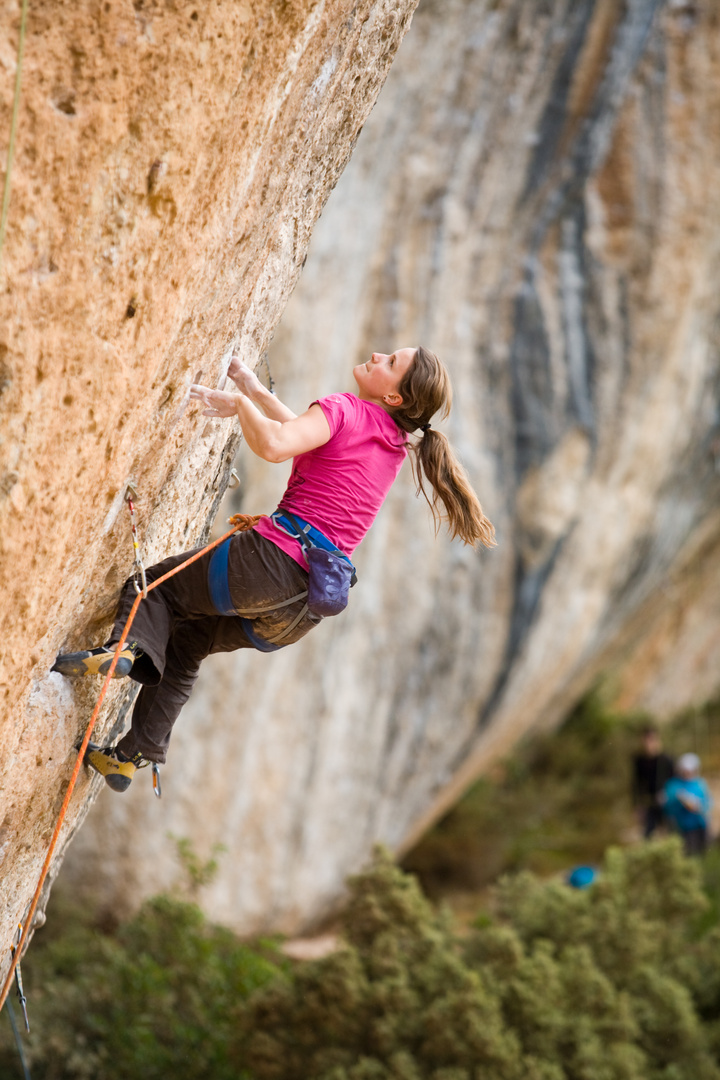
(362, 419)
(338, 401)
(339, 410)
(349, 405)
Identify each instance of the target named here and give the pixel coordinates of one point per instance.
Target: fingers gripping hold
(217, 403)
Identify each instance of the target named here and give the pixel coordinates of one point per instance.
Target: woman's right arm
(273, 440)
(248, 384)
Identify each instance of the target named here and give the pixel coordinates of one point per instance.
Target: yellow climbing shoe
(116, 767)
(98, 661)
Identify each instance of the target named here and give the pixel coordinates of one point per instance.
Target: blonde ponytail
(426, 390)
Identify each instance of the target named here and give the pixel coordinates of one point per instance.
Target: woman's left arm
(272, 440)
(248, 384)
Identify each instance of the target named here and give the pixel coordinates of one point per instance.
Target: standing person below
(651, 771)
(265, 588)
(687, 803)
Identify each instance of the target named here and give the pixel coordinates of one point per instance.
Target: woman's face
(379, 379)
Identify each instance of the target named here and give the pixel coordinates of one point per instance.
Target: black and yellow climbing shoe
(116, 767)
(98, 661)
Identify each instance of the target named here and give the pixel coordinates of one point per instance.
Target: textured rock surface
(530, 198)
(170, 162)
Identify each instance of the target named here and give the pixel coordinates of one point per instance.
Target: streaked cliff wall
(532, 198)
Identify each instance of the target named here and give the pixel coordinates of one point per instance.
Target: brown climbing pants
(177, 626)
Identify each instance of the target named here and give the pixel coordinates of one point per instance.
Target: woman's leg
(158, 706)
(183, 596)
(176, 626)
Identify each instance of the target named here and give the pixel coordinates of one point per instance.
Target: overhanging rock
(169, 165)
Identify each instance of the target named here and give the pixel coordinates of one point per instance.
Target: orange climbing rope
(240, 522)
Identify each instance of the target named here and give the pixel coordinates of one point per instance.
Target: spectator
(687, 803)
(651, 771)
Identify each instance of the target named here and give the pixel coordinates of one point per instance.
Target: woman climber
(260, 589)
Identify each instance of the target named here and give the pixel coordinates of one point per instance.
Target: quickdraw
(18, 1041)
(139, 578)
(18, 979)
(157, 788)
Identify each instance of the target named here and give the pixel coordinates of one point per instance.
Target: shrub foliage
(606, 984)
(618, 982)
(154, 1000)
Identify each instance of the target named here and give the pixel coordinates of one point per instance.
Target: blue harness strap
(218, 580)
(307, 534)
(257, 642)
(219, 587)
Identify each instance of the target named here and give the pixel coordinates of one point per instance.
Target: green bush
(617, 982)
(611, 983)
(154, 1000)
(618, 964)
(396, 1001)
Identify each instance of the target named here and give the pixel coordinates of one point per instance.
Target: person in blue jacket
(687, 804)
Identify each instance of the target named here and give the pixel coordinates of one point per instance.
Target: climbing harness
(13, 124)
(308, 535)
(219, 588)
(239, 522)
(330, 577)
(139, 579)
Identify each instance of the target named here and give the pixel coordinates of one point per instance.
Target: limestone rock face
(170, 163)
(533, 199)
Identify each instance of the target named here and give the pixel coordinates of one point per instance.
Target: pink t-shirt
(340, 486)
